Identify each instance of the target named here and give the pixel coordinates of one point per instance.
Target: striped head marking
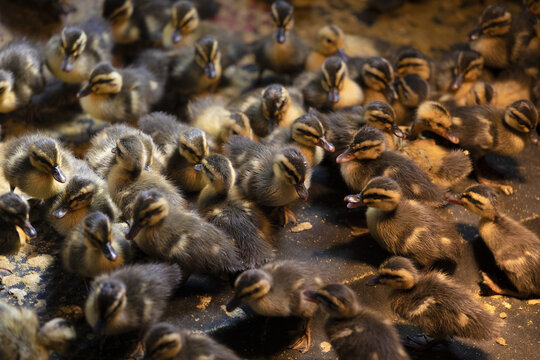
(184, 19)
(192, 145)
(368, 143)
(238, 124)
(98, 235)
(521, 116)
(110, 299)
(282, 15)
(469, 66)
(104, 79)
(150, 208)
(382, 193)
(78, 194)
(163, 342)
(15, 210)
(307, 130)
(377, 73)
(482, 93)
(45, 154)
(494, 21)
(252, 285)
(380, 115)
(412, 61)
(338, 300)
(275, 102)
(398, 273)
(130, 153)
(73, 41)
(219, 172)
(291, 166)
(481, 200)
(434, 117)
(329, 40)
(208, 56)
(411, 90)
(117, 11)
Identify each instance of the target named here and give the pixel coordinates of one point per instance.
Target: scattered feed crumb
(501, 341)
(503, 315)
(506, 305)
(18, 294)
(533, 302)
(11, 280)
(32, 281)
(490, 308)
(301, 227)
(41, 261)
(325, 347)
(72, 311)
(204, 301)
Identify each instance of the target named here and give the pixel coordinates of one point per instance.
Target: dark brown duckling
(13, 214)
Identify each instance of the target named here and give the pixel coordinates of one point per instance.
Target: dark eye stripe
(291, 174)
(376, 196)
(377, 77)
(163, 346)
(307, 133)
(518, 119)
(389, 276)
(470, 199)
(495, 24)
(381, 119)
(188, 20)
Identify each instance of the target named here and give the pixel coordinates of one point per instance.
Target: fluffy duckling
(166, 342)
(128, 177)
(23, 339)
(170, 233)
(376, 76)
(276, 290)
(435, 303)
(406, 227)
(72, 54)
(13, 214)
(413, 61)
(185, 147)
(381, 115)
(21, 74)
(95, 246)
(220, 204)
(282, 52)
(38, 165)
(355, 331)
(515, 248)
(329, 41)
(482, 93)
(270, 177)
(131, 298)
(367, 156)
(412, 90)
(120, 95)
(468, 68)
(332, 88)
(276, 106)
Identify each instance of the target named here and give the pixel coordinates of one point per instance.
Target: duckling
(170, 233)
(72, 54)
(283, 52)
(435, 303)
(407, 227)
(515, 248)
(270, 177)
(23, 339)
(197, 73)
(482, 93)
(332, 88)
(356, 332)
(306, 133)
(376, 77)
(413, 61)
(95, 246)
(276, 289)
(221, 205)
(120, 95)
(131, 298)
(367, 156)
(467, 70)
(84, 193)
(37, 164)
(184, 145)
(128, 177)
(381, 115)
(13, 213)
(21, 74)
(276, 106)
(412, 90)
(329, 41)
(167, 342)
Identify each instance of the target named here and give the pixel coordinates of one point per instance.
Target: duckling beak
(346, 156)
(109, 252)
(198, 167)
(210, 70)
(454, 199)
(233, 304)
(391, 93)
(354, 201)
(457, 80)
(85, 91)
(310, 295)
(29, 229)
(280, 35)
(474, 34)
(301, 191)
(333, 95)
(67, 63)
(373, 281)
(176, 36)
(398, 132)
(133, 231)
(58, 174)
(449, 136)
(342, 55)
(61, 211)
(325, 144)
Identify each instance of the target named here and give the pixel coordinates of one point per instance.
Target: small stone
(301, 227)
(503, 315)
(325, 347)
(501, 341)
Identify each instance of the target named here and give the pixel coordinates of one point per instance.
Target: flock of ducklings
(402, 130)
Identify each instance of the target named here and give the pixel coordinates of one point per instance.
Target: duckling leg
(304, 342)
(507, 189)
(288, 214)
(486, 280)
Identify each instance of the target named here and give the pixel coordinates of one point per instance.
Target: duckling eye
(328, 40)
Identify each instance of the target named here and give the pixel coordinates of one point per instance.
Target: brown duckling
(411, 91)
(276, 290)
(355, 331)
(407, 227)
(381, 115)
(37, 164)
(435, 303)
(221, 204)
(413, 61)
(515, 248)
(376, 76)
(131, 298)
(95, 246)
(13, 214)
(482, 93)
(167, 342)
(329, 41)
(467, 69)
(341, 125)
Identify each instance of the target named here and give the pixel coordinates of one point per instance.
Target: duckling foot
(288, 214)
(358, 231)
(507, 189)
(422, 342)
(304, 342)
(490, 284)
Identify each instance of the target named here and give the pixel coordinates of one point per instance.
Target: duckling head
(117, 11)
(494, 21)
(15, 210)
(97, 232)
(292, 168)
(150, 208)
(381, 115)
(237, 124)
(8, 100)
(309, 131)
(337, 300)
(334, 71)
(368, 143)
(78, 194)
(380, 192)
(208, 56)
(71, 46)
(104, 80)
(480, 199)
(469, 66)
(192, 145)
(411, 90)
(185, 20)
(330, 40)
(433, 116)
(397, 272)
(109, 300)
(57, 335)
(482, 93)
(533, 6)
(378, 75)
(413, 61)
(250, 286)
(217, 172)
(275, 100)
(130, 153)
(163, 342)
(521, 116)
(45, 157)
(283, 19)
